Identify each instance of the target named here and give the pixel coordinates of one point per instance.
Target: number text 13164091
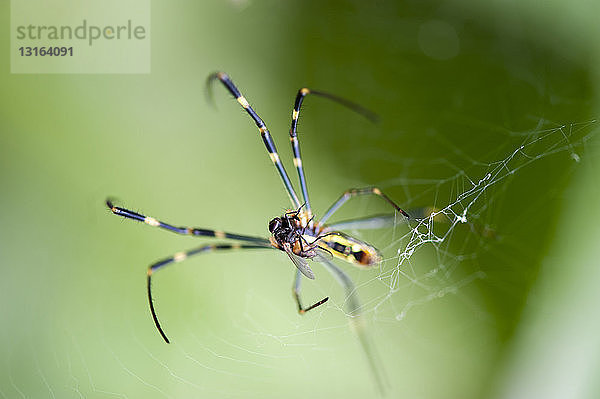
(46, 51)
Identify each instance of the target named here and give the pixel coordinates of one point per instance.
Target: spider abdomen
(352, 250)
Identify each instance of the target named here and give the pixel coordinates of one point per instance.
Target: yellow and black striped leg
(192, 231)
(353, 193)
(296, 146)
(181, 256)
(296, 291)
(294, 132)
(264, 132)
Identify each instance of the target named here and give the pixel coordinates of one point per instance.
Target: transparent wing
(301, 263)
(323, 254)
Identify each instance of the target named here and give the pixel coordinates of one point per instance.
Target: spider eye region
(275, 224)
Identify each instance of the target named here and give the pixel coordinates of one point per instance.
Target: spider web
(463, 201)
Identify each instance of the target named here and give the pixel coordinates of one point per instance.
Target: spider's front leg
(183, 230)
(262, 128)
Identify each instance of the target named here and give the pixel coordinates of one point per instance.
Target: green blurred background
(459, 85)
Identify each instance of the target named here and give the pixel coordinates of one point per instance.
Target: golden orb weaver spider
(295, 232)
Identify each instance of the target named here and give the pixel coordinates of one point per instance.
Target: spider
(295, 232)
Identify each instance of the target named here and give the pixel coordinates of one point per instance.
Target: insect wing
(323, 254)
(301, 263)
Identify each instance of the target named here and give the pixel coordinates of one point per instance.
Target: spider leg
(264, 132)
(179, 257)
(295, 212)
(353, 193)
(367, 223)
(296, 291)
(126, 213)
(354, 308)
(294, 133)
(308, 224)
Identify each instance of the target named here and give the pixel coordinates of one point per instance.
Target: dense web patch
(457, 202)
(461, 201)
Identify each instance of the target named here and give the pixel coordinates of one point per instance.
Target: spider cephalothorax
(289, 229)
(285, 229)
(288, 235)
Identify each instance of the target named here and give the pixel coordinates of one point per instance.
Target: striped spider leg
(249, 243)
(294, 132)
(262, 128)
(354, 193)
(335, 240)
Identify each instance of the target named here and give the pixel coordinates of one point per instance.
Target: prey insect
(296, 232)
